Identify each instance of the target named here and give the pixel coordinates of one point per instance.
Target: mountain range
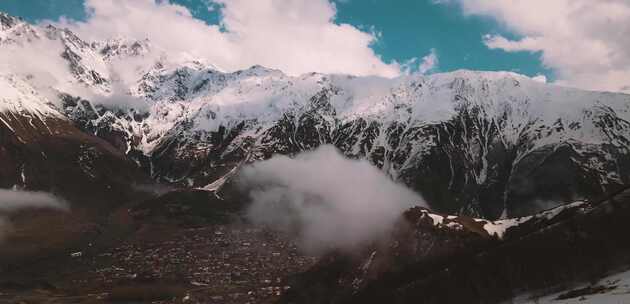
(485, 144)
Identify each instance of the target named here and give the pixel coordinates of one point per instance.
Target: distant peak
(258, 67)
(7, 21)
(484, 74)
(258, 70)
(120, 46)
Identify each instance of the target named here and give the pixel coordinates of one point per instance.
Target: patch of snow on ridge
(500, 227)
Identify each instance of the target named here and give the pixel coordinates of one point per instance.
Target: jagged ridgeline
(487, 144)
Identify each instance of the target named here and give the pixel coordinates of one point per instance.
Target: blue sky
(411, 27)
(407, 29)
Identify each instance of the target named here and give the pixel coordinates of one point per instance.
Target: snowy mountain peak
(7, 21)
(121, 47)
(15, 30)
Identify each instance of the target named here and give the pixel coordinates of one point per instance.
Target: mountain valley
(523, 184)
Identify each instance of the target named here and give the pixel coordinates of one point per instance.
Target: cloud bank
(295, 36)
(13, 200)
(327, 199)
(586, 42)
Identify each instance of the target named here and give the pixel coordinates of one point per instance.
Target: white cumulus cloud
(295, 36)
(585, 42)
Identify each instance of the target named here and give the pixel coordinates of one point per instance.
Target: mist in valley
(15, 200)
(325, 199)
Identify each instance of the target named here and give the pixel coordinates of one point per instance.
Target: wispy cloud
(426, 64)
(13, 200)
(429, 62)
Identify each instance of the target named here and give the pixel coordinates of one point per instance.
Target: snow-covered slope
(490, 144)
(20, 98)
(22, 108)
(608, 290)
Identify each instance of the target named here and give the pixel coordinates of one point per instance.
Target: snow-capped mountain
(490, 144)
(469, 141)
